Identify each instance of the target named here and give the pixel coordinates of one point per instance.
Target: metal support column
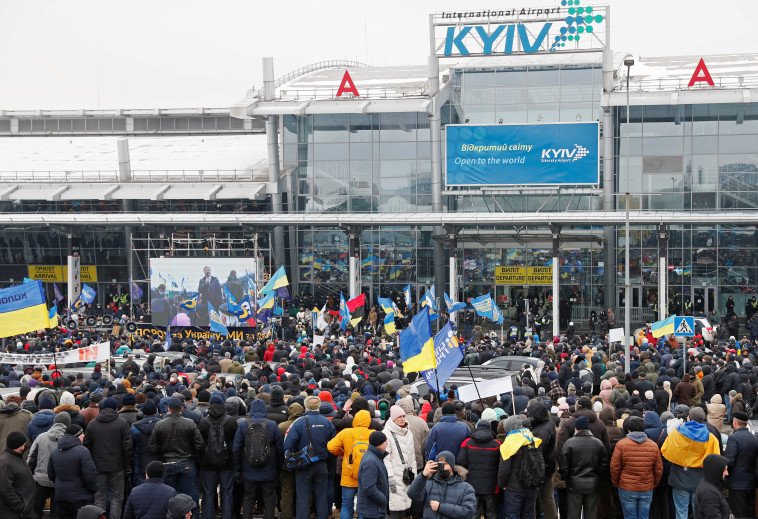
(353, 262)
(662, 272)
(274, 171)
(452, 246)
(556, 230)
(609, 231)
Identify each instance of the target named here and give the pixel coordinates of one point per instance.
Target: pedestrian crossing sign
(684, 326)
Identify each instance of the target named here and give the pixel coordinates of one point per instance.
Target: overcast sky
(69, 54)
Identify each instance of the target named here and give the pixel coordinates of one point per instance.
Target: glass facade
(691, 157)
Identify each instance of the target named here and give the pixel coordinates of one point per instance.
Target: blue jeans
(223, 478)
(519, 505)
(348, 502)
(181, 477)
(312, 480)
(682, 499)
(636, 505)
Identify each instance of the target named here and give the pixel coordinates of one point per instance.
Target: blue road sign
(684, 326)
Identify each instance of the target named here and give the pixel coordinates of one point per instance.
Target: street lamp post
(628, 62)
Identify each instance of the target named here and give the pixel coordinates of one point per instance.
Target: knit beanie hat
(63, 418)
(46, 403)
(15, 440)
(446, 456)
(108, 403)
(377, 438)
(581, 423)
(396, 412)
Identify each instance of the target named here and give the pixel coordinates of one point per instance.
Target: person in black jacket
(141, 431)
(17, 488)
(709, 384)
(480, 454)
(373, 482)
(150, 500)
(71, 468)
(709, 499)
(741, 452)
(177, 441)
(277, 409)
(583, 461)
(109, 438)
(543, 428)
(217, 471)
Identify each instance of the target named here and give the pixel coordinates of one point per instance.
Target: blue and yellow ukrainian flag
(689, 444)
(278, 280)
(265, 307)
(217, 325)
(417, 344)
(389, 323)
(23, 309)
(661, 328)
(52, 317)
(386, 304)
(189, 304)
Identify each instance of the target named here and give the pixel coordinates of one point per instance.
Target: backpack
(215, 451)
(354, 458)
(532, 473)
(257, 449)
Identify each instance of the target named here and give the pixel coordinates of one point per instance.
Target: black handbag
(297, 459)
(407, 471)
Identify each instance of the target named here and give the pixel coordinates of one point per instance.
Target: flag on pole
(278, 280)
(452, 306)
(135, 290)
(88, 294)
(389, 323)
(355, 307)
(23, 309)
(417, 344)
(58, 296)
(344, 312)
(167, 343)
(52, 317)
(486, 307)
(407, 295)
(217, 325)
(661, 328)
(448, 355)
(321, 323)
(265, 307)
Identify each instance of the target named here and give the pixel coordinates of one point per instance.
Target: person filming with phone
(442, 488)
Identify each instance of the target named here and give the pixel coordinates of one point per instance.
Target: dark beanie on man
(15, 440)
(582, 423)
(109, 403)
(154, 469)
(448, 408)
(377, 438)
(149, 408)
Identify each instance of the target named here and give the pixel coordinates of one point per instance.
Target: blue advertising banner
(522, 154)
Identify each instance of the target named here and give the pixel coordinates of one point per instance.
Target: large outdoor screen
(522, 154)
(176, 280)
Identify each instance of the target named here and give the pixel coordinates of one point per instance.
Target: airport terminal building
(501, 165)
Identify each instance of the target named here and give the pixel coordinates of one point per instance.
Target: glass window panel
(361, 127)
(397, 168)
(478, 78)
(397, 204)
(339, 151)
(479, 95)
(397, 127)
(544, 94)
(511, 95)
(543, 77)
(398, 150)
(360, 151)
(702, 145)
(330, 128)
(424, 150)
(582, 75)
(361, 204)
(663, 146)
(737, 143)
(361, 178)
(510, 77)
(479, 114)
(330, 170)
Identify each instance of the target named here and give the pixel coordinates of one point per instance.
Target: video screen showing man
(209, 291)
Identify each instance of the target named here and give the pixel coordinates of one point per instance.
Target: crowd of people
(245, 429)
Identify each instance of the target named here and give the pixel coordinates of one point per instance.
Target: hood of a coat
(538, 412)
(362, 419)
(179, 505)
(106, 415)
(90, 512)
(216, 410)
(43, 418)
(716, 399)
(483, 432)
(589, 413)
(713, 469)
(67, 442)
(295, 411)
(258, 408)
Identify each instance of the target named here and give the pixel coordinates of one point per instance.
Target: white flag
(321, 323)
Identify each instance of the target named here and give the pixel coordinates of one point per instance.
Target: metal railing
(138, 175)
(671, 84)
(294, 94)
(580, 315)
(335, 63)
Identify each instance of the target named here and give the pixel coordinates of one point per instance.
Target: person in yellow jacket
(351, 444)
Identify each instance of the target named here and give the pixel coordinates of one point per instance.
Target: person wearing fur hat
(442, 489)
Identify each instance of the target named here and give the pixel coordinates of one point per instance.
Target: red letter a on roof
(701, 69)
(347, 85)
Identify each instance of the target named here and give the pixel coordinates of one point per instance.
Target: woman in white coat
(401, 455)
